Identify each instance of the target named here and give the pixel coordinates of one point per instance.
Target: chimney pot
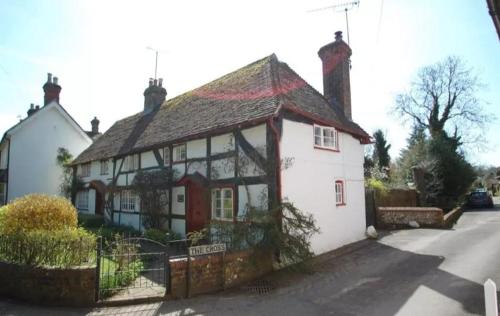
(154, 95)
(160, 82)
(338, 36)
(51, 89)
(32, 106)
(95, 125)
(37, 107)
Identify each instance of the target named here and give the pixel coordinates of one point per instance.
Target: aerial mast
(343, 6)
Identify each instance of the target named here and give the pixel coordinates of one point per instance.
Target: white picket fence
(490, 298)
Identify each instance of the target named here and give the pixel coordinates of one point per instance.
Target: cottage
(28, 150)
(264, 115)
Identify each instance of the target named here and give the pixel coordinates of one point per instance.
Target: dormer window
(326, 137)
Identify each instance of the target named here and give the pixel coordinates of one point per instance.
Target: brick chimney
(154, 95)
(336, 67)
(95, 125)
(51, 89)
(31, 110)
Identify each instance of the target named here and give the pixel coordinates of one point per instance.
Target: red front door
(197, 207)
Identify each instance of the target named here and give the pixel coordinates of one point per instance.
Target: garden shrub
(62, 248)
(377, 185)
(90, 221)
(161, 236)
(114, 276)
(108, 232)
(38, 212)
(3, 209)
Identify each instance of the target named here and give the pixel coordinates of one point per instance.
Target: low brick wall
(399, 217)
(452, 217)
(48, 286)
(214, 273)
(397, 198)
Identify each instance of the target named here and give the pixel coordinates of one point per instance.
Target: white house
(226, 142)
(28, 150)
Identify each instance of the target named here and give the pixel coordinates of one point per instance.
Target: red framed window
(339, 192)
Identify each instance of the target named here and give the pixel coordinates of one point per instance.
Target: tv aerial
(339, 7)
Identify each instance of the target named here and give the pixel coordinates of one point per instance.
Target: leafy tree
(443, 97)
(412, 156)
(69, 184)
(381, 150)
(450, 167)
(152, 189)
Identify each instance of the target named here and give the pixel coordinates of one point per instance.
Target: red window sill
(341, 204)
(326, 148)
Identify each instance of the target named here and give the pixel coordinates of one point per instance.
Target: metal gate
(131, 268)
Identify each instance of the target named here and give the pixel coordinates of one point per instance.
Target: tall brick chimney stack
(336, 68)
(154, 95)
(52, 90)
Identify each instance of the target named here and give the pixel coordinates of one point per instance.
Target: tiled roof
(254, 92)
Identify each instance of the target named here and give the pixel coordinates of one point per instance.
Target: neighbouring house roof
(59, 107)
(255, 92)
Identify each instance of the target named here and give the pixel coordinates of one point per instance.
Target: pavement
(406, 272)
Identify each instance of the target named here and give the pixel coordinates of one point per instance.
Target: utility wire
(380, 20)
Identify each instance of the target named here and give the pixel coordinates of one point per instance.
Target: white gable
(33, 150)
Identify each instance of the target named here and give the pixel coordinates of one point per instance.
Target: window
(85, 170)
(104, 167)
(180, 153)
(127, 201)
(222, 204)
(82, 200)
(166, 156)
(131, 163)
(339, 192)
(326, 137)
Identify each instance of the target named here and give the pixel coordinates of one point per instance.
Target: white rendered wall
(254, 195)
(32, 165)
(310, 184)
(178, 200)
(221, 144)
(148, 160)
(196, 148)
(256, 136)
(4, 154)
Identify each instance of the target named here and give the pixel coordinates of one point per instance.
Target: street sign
(206, 249)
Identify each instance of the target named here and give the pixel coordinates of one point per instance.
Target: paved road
(408, 272)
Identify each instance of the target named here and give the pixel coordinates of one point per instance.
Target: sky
(98, 49)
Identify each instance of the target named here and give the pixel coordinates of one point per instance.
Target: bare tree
(444, 97)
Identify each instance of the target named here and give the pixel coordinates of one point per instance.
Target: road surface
(407, 272)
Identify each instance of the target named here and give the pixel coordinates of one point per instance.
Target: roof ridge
(276, 81)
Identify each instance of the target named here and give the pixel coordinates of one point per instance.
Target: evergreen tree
(381, 155)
